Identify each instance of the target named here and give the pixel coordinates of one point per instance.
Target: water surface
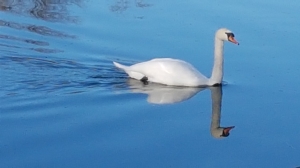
(64, 104)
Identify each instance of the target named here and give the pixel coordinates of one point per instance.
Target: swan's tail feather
(120, 65)
(128, 70)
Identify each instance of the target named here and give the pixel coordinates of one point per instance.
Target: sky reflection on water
(64, 104)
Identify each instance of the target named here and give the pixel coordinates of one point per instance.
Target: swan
(177, 72)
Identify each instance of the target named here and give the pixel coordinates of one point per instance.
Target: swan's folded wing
(171, 72)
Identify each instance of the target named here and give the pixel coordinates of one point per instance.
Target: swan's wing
(170, 71)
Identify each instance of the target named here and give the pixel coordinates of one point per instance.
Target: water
(63, 104)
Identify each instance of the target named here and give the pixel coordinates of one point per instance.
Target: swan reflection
(215, 129)
(162, 94)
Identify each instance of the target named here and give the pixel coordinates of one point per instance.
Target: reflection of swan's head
(226, 130)
(224, 34)
(221, 132)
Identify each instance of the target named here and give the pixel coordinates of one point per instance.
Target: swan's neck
(217, 72)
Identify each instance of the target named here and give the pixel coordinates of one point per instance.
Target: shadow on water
(33, 75)
(162, 94)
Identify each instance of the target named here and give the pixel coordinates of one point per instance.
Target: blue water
(64, 104)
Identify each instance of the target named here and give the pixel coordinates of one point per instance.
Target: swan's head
(226, 35)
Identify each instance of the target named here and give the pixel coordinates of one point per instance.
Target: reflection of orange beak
(231, 39)
(227, 129)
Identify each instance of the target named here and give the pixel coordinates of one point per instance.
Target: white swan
(176, 72)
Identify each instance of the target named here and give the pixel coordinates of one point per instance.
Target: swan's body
(166, 71)
(176, 72)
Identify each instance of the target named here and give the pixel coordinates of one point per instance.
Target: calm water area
(64, 104)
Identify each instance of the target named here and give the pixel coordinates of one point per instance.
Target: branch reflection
(42, 30)
(48, 10)
(122, 5)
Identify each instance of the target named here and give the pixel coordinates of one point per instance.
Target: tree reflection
(123, 5)
(42, 30)
(49, 10)
(119, 6)
(141, 4)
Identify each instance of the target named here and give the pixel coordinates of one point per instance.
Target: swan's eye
(229, 35)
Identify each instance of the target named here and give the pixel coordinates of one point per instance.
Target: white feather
(176, 72)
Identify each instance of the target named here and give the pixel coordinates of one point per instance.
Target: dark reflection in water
(42, 30)
(123, 5)
(49, 10)
(39, 43)
(33, 75)
(29, 41)
(46, 50)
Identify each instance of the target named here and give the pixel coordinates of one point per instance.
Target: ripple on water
(39, 76)
(53, 11)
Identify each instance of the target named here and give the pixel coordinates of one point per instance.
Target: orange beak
(231, 39)
(227, 129)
